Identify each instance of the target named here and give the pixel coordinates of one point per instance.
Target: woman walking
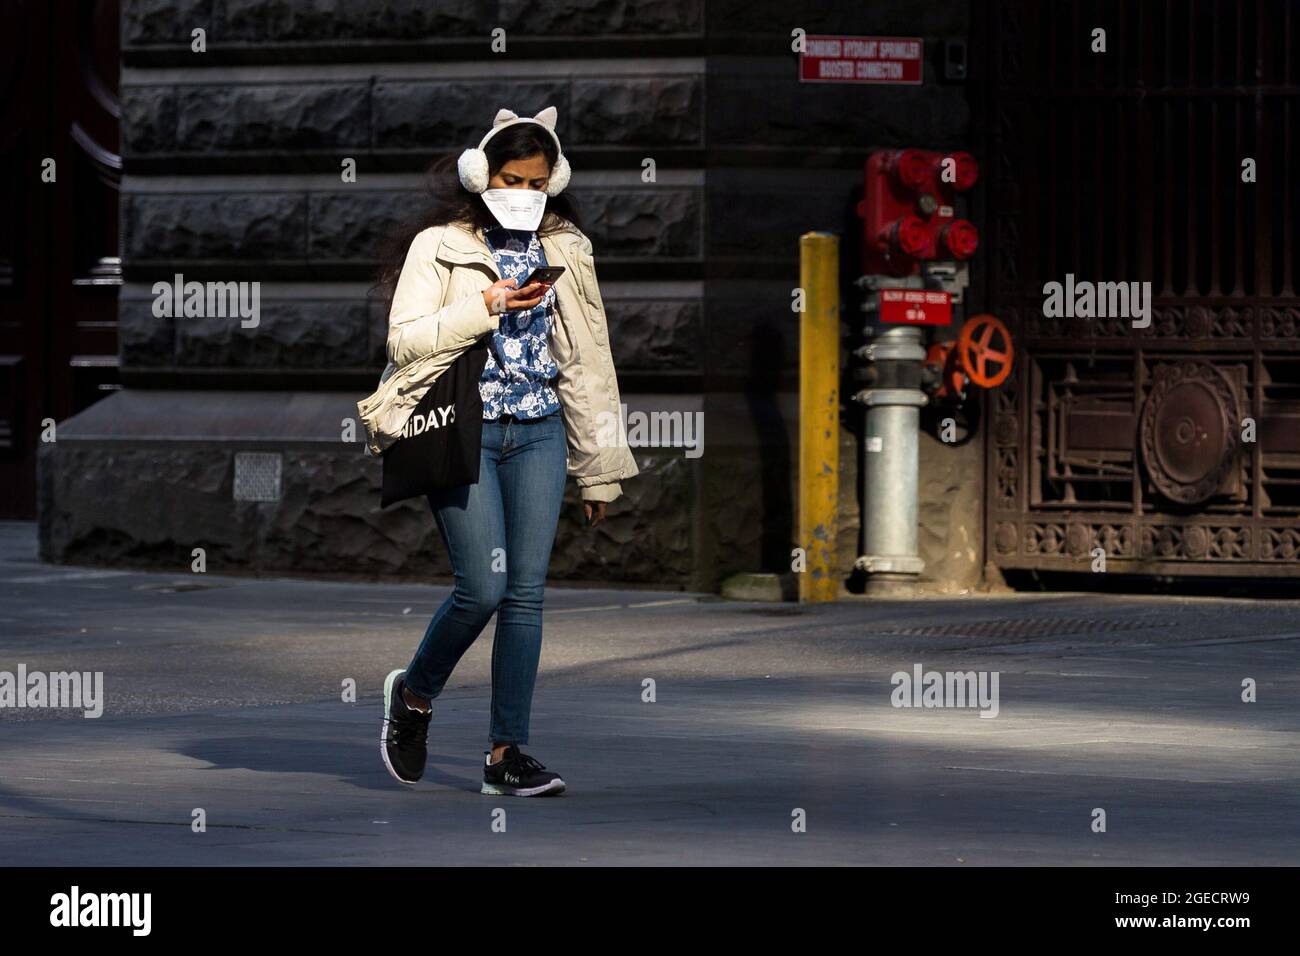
(550, 409)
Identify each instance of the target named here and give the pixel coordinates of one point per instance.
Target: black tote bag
(441, 442)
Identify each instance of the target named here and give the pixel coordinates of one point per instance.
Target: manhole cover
(1028, 627)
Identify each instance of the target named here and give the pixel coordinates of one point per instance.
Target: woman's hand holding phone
(502, 296)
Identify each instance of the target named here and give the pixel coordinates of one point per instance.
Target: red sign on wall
(831, 59)
(915, 307)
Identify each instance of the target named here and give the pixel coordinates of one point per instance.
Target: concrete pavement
(224, 693)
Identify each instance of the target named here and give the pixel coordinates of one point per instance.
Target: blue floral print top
(519, 376)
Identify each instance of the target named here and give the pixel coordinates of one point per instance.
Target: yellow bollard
(819, 413)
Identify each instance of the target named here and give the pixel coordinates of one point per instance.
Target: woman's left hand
(600, 512)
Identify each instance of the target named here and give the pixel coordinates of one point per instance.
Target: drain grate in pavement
(1029, 627)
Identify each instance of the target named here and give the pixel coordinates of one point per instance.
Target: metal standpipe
(889, 478)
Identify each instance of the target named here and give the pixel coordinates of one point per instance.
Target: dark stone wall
(232, 162)
(151, 506)
(316, 230)
(270, 23)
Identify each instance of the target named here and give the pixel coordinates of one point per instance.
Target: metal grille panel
(1028, 627)
(1127, 166)
(257, 476)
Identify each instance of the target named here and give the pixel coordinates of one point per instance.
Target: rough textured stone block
(151, 506)
(272, 116)
(268, 21)
(451, 113)
(130, 506)
(351, 224)
(637, 111)
(299, 334)
(143, 339)
(589, 17)
(163, 21)
(645, 221)
(247, 226)
(646, 535)
(329, 520)
(148, 119)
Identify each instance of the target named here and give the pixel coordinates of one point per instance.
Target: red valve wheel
(985, 342)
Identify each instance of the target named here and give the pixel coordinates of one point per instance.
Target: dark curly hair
(449, 201)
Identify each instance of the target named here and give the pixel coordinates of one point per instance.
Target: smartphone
(547, 275)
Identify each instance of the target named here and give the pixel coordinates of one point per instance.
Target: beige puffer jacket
(438, 312)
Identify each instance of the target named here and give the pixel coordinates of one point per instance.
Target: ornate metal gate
(1175, 447)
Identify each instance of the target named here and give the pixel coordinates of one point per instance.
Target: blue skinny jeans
(498, 534)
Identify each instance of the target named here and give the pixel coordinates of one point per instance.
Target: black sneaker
(518, 775)
(404, 741)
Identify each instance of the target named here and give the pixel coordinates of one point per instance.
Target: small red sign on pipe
(915, 307)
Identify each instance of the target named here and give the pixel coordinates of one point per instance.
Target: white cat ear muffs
(473, 163)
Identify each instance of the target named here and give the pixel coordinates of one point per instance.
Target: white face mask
(516, 208)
